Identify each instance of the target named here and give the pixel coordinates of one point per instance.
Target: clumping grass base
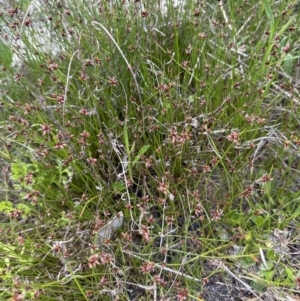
(150, 151)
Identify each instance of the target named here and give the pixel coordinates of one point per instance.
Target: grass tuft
(149, 151)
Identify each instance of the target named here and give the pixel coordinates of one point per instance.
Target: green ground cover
(149, 153)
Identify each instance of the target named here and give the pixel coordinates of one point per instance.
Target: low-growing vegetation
(150, 151)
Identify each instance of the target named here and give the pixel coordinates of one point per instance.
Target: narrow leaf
(141, 152)
(126, 139)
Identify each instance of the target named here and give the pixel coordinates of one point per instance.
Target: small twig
(66, 87)
(248, 287)
(262, 256)
(164, 268)
(30, 6)
(288, 94)
(145, 287)
(95, 24)
(221, 5)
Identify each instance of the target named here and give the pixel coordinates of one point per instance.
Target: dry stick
(288, 94)
(239, 280)
(221, 5)
(230, 28)
(248, 287)
(30, 6)
(114, 146)
(163, 268)
(94, 23)
(67, 85)
(145, 287)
